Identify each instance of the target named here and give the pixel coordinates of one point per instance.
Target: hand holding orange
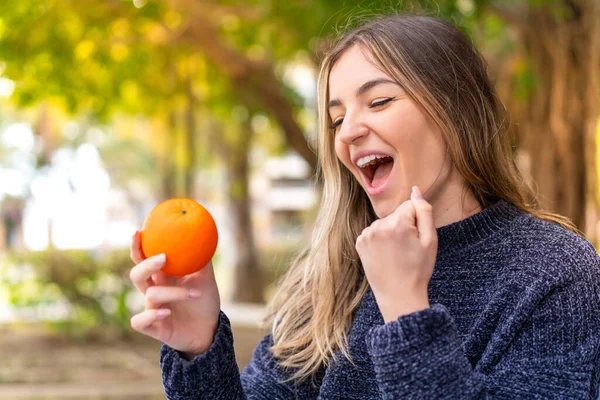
(183, 230)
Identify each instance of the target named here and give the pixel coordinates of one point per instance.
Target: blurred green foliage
(102, 56)
(94, 290)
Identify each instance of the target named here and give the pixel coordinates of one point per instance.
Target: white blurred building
(283, 196)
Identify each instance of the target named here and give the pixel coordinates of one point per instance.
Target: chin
(386, 206)
(383, 209)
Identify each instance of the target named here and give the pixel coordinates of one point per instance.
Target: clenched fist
(398, 254)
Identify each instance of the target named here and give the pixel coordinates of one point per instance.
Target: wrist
(190, 356)
(201, 347)
(393, 309)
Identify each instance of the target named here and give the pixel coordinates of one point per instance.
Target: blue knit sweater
(515, 314)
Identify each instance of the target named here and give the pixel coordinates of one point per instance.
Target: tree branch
(199, 33)
(514, 16)
(257, 77)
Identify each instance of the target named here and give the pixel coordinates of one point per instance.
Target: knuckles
(399, 224)
(151, 293)
(401, 229)
(406, 208)
(433, 242)
(426, 208)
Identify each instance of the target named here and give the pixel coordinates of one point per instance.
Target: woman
(432, 273)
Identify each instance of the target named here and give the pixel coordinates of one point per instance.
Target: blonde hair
(446, 76)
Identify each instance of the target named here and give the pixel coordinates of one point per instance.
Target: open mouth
(377, 169)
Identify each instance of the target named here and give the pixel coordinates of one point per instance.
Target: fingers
(407, 213)
(143, 321)
(424, 217)
(141, 274)
(156, 295)
(402, 218)
(135, 252)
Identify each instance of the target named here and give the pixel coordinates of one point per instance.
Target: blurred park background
(108, 107)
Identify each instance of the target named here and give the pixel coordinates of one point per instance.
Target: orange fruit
(183, 230)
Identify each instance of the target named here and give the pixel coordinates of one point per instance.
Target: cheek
(417, 138)
(342, 153)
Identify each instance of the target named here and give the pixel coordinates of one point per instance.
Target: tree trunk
(248, 281)
(190, 140)
(249, 285)
(168, 168)
(556, 125)
(43, 128)
(44, 132)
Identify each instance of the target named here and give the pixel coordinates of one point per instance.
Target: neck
(454, 209)
(453, 202)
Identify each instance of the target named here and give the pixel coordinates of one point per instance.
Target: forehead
(351, 70)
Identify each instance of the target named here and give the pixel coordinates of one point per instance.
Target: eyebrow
(365, 87)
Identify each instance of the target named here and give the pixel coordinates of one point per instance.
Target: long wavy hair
(446, 76)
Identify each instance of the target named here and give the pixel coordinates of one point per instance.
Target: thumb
(425, 224)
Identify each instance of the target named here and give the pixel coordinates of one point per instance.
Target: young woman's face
(382, 136)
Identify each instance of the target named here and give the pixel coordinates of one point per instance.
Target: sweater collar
(477, 227)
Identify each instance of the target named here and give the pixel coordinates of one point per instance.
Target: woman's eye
(337, 123)
(381, 102)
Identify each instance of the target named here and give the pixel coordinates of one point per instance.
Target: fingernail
(417, 193)
(134, 233)
(193, 294)
(159, 260)
(163, 312)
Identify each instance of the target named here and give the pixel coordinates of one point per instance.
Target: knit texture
(515, 314)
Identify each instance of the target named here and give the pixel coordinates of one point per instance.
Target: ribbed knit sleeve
(547, 348)
(211, 375)
(215, 375)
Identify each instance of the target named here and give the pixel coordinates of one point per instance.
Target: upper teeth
(363, 161)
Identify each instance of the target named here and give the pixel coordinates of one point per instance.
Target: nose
(352, 131)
